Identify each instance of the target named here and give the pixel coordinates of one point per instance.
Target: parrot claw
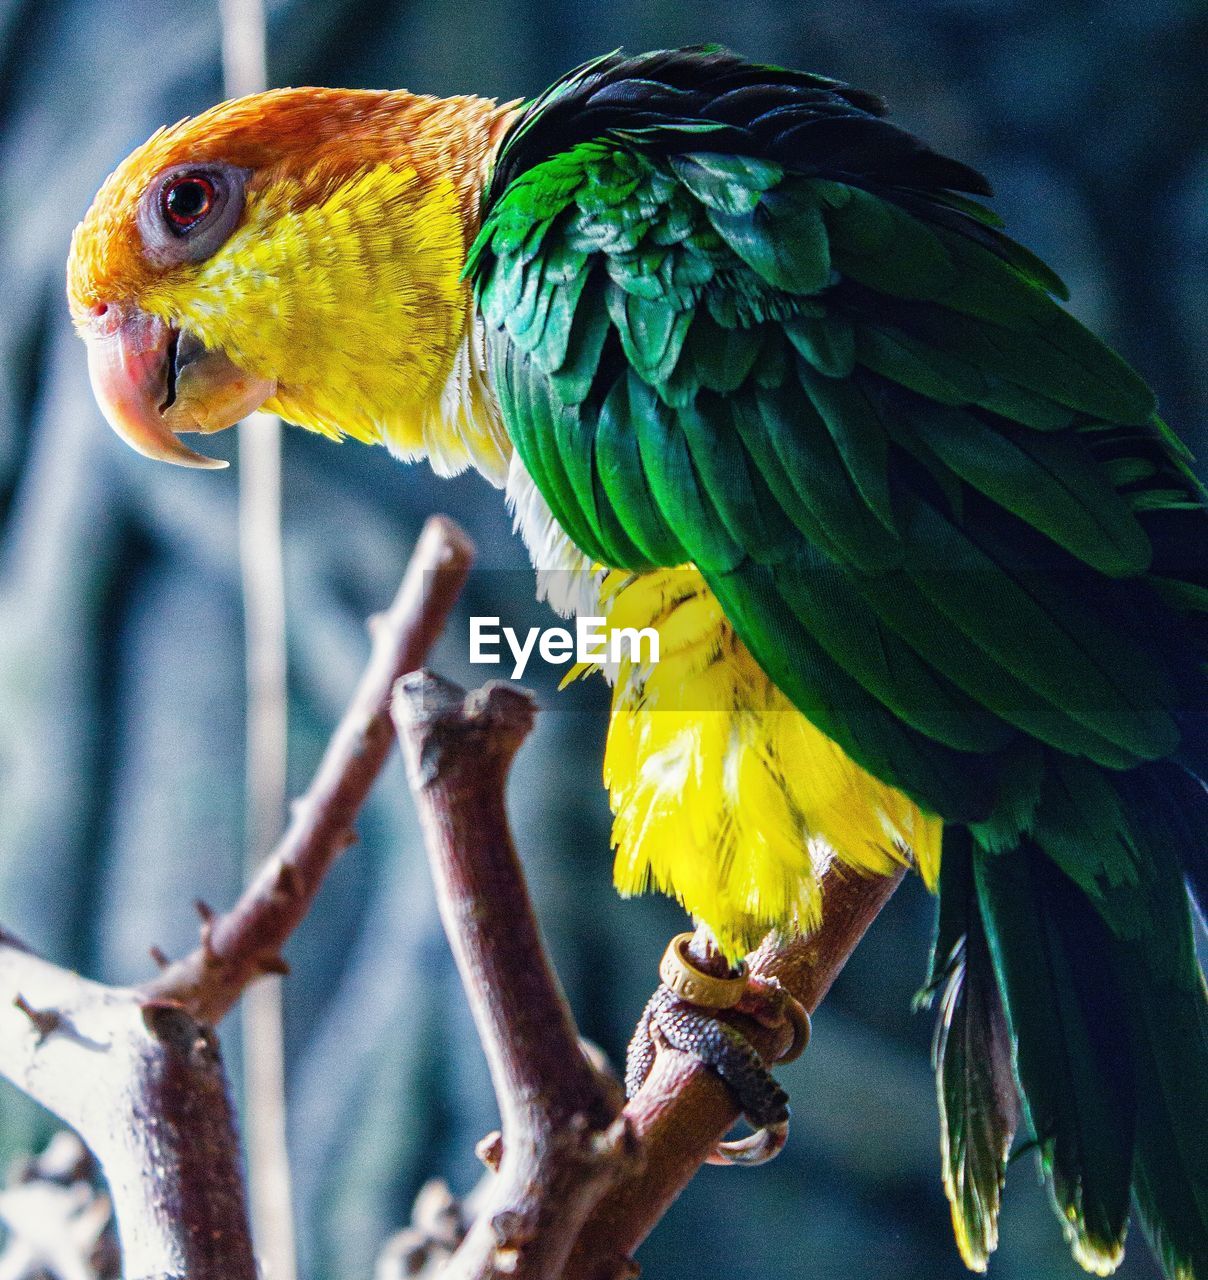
(765, 1144)
(683, 1015)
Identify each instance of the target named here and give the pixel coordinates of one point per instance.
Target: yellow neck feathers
(343, 282)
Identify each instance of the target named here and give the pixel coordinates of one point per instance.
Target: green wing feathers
(913, 415)
(737, 319)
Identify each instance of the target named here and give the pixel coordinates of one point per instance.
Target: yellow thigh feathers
(724, 795)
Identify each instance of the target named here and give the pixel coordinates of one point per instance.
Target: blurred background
(121, 654)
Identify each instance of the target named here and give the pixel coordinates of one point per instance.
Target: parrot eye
(188, 212)
(187, 200)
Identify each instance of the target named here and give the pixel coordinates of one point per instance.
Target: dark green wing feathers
(714, 359)
(739, 320)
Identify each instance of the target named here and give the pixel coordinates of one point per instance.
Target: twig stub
(456, 730)
(44, 1021)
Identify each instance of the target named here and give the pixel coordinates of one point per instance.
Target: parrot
(759, 369)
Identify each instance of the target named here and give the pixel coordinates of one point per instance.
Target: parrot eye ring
(188, 212)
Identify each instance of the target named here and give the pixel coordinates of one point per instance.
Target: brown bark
(570, 1198)
(580, 1179)
(562, 1140)
(154, 1111)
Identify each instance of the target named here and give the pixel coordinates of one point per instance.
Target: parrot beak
(153, 381)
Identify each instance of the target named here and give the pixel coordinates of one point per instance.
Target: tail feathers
(1089, 929)
(1195, 867)
(1053, 956)
(1191, 809)
(1163, 988)
(971, 1054)
(1171, 1176)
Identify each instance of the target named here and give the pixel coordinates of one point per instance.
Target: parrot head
(298, 251)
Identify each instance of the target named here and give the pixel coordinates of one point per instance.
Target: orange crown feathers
(304, 141)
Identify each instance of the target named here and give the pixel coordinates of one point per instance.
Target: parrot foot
(683, 1014)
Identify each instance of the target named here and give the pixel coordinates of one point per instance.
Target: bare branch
(246, 942)
(578, 1182)
(154, 1111)
(563, 1142)
(569, 1168)
(684, 1109)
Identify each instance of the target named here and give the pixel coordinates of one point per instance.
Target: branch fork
(581, 1179)
(155, 1111)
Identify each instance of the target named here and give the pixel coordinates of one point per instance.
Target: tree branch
(683, 1110)
(137, 1072)
(580, 1180)
(246, 942)
(563, 1142)
(154, 1111)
